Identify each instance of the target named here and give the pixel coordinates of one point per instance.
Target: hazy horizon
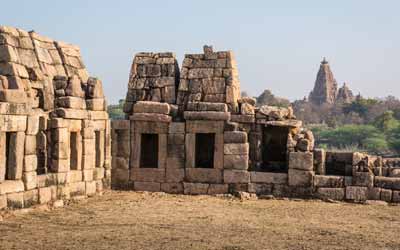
(278, 45)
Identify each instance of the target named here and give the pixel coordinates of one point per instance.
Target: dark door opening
(149, 151)
(204, 157)
(73, 149)
(8, 149)
(98, 149)
(41, 152)
(274, 149)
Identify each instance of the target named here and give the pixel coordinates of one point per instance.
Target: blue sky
(278, 44)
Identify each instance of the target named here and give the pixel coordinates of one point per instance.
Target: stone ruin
(54, 128)
(187, 131)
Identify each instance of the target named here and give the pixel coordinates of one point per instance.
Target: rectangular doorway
(274, 149)
(73, 149)
(149, 151)
(204, 155)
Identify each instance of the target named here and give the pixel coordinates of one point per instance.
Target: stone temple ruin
(187, 131)
(54, 130)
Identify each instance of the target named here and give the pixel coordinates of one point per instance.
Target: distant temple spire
(325, 88)
(324, 61)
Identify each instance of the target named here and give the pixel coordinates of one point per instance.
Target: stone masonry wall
(55, 140)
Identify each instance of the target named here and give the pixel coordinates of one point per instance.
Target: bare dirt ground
(129, 220)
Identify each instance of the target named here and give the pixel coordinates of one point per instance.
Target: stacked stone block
(209, 77)
(153, 77)
(45, 95)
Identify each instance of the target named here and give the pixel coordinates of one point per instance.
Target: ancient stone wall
(209, 140)
(55, 135)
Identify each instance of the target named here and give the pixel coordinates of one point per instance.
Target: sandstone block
(120, 124)
(87, 174)
(243, 118)
(218, 189)
(236, 148)
(32, 127)
(15, 200)
(204, 127)
(300, 178)
(207, 106)
(98, 173)
(260, 188)
(174, 162)
(396, 197)
(235, 137)
(387, 182)
(13, 96)
(147, 186)
(267, 177)
(11, 187)
(176, 128)
(30, 180)
(363, 179)
(195, 188)
(204, 175)
(207, 115)
(331, 193)
(172, 188)
(3, 202)
(90, 188)
(119, 176)
(45, 195)
(30, 163)
(152, 117)
(236, 176)
(356, 193)
(327, 181)
(77, 188)
(147, 174)
(71, 102)
(301, 161)
(374, 193)
(13, 123)
(174, 175)
(120, 163)
(151, 107)
(97, 104)
(31, 198)
(239, 162)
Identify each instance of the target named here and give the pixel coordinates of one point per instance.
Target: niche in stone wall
(274, 149)
(204, 150)
(73, 149)
(149, 151)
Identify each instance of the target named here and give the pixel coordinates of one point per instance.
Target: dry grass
(128, 220)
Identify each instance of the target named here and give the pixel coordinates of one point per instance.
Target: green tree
(116, 111)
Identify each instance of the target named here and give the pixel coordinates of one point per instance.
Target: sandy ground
(129, 220)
